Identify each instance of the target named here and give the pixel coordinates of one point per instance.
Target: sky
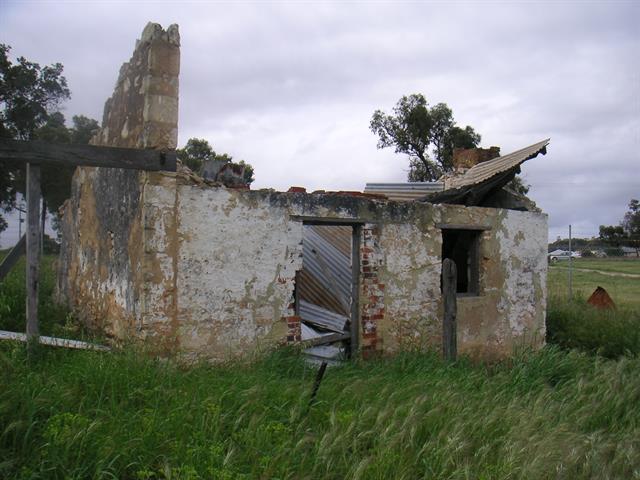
(290, 87)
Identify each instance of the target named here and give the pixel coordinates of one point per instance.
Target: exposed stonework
(102, 225)
(143, 110)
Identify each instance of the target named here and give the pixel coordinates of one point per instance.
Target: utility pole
(570, 267)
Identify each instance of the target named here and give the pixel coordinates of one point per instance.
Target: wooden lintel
(461, 226)
(36, 152)
(329, 220)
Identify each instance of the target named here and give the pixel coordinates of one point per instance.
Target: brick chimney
(464, 158)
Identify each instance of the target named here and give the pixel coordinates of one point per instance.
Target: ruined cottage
(202, 269)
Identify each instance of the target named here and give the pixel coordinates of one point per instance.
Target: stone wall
(235, 254)
(102, 256)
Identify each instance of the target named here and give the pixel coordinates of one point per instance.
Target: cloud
(290, 88)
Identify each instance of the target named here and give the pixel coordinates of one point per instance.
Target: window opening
(462, 246)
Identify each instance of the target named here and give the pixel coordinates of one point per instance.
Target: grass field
(624, 291)
(569, 411)
(76, 415)
(612, 264)
(54, 319)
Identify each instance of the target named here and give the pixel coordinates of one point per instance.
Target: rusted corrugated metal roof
(407, 191)
(486, 170)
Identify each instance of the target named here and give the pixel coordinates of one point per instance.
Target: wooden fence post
(33, 250)
(449, 287)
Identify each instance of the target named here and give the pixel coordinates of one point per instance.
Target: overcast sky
(290, 87)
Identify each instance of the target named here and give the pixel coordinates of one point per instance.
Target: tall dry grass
(552, 414)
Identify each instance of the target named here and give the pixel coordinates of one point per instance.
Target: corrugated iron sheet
(308, 332)
(330, 267)
(321, 317)
(337, 235)
(486, 170)
(407, 191)
(311, 290)
(324, 283)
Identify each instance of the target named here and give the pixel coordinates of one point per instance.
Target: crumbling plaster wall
(217, 271)
(102, 256)
(236, 254)
(509, 312)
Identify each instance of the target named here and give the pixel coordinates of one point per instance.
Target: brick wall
(294, 329)
(468, 157)
(372, 307)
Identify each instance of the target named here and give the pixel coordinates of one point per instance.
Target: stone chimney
(464, 158)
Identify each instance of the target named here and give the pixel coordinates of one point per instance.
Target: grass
(613, 264)
(624, 291)
(610, 333)
(53, 318)
(553, 414)
(568, 411)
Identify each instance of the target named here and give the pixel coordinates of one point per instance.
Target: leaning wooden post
(33, 250)
(449, 287)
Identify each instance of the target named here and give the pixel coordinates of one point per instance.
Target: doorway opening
(326, 290)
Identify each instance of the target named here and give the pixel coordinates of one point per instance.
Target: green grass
(553, 414)
(624, 291)
(610, 333)
(616, 265)
(569, 411)
(53, 318)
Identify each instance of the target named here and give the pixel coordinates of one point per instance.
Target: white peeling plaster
(236, 268)
(412, 272)
(158, 262)
(523, 246)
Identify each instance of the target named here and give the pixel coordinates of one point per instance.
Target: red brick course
(372, 307)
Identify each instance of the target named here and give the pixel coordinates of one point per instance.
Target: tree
(631, 220)
(518, 185)
(427, 135)
(55, 181)
(84, 128)
(627, 233)
(28, 94)
(198, 150)
(195, 153)
(612, 235)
